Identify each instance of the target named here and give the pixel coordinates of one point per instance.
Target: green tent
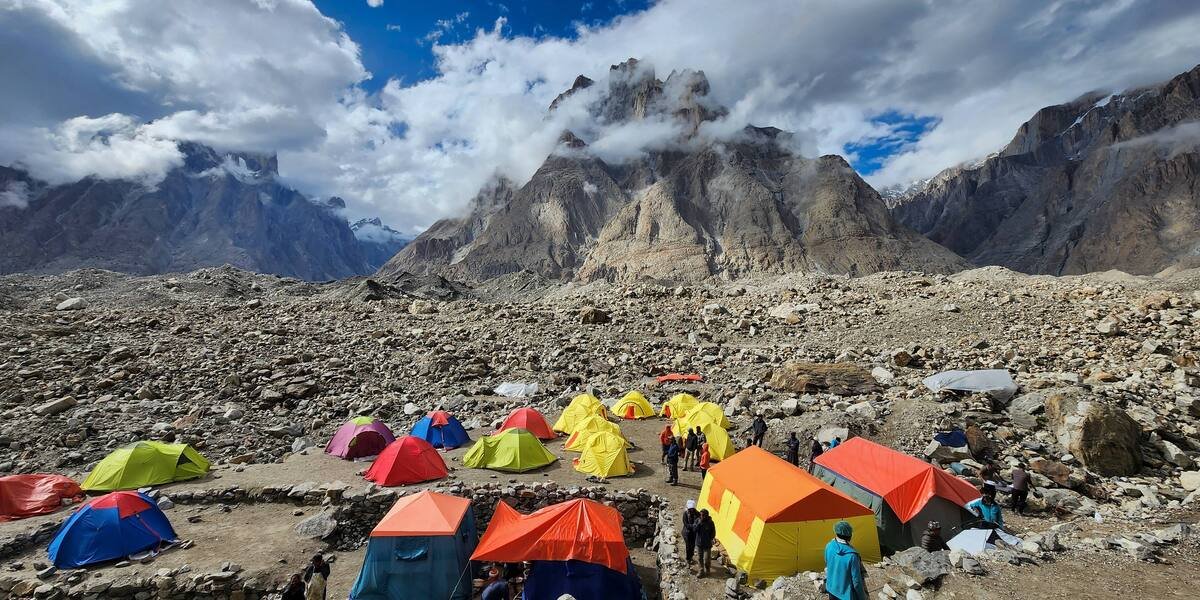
(512, 450)
(145, 463)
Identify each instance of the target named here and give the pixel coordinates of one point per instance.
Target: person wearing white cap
(691, 519)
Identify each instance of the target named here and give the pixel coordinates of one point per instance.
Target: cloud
(444, 26)
(374, 3)
(1171, 141)
(110, 147)
(14, 194)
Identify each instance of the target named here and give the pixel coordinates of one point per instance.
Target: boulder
(72, 304)
(1103, 437)
(883, 376)
(318, 526)
(590, 315)
(1190, 480)
(843, 379)
(54, 407)
(923, 566)
(422, 307)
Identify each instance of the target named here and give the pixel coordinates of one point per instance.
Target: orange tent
(679, 377)
(425, 513)
(578, 529)
(28, 495)
(529, 420)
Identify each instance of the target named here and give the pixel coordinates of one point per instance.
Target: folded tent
(442, 430)
(904, 492)
(24, 496)
(679, 405)
(409, 459)
(530, 420)
(581, 407)
(360, 437)
(604, 455)
(633, 406)
(145, 463)
(420, 549)
(669, 377)
(585, 428)
(774, 519)
(110, 527)
(511, 450)
(997, 383)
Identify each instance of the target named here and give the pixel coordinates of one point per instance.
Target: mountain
(216, 208)
(378, 242)
(741, 206)
(1103, 182)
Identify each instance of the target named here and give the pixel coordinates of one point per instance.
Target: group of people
(692, 448)
(699, 531)
(311, 584)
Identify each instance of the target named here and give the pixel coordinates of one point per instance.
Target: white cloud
(374, 3)
(14, 194)
(110, 147)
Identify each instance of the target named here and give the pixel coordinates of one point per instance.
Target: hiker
(705, 461)
(759, 429)
(986, 508)
(793, 449)
(706, 531)
(316, 575)
(931, 540)
(691, 518)
(844, 574)
(665, 438)
(496, 587)
(673, 462)
(1020, 489)
(814, 451)
(691, 447)
(294, 589)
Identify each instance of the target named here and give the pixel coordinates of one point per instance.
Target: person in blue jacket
(844, 575)
(986, 508)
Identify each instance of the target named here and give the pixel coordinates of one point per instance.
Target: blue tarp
(952, 439)
(94, 535)
(450, 435)
(424, 567)
(549, 579)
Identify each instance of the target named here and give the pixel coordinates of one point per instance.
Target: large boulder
(1103, 437)
(923, 566)
(843, 379)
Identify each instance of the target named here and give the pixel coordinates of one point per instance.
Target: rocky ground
(253, 369)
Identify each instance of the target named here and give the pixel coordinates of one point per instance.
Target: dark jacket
(323, 570)
(673, 454)
(294, 592)
(691, 442)
(691, 518)
(706, 531)
(759, 426)
(793, 447)
(932, 542)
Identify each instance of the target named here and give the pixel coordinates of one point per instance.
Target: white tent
(977, 541)
(997, 383)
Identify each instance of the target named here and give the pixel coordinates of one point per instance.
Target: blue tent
(441, 430)
(549, 579)
(420, 549)
(110, 527)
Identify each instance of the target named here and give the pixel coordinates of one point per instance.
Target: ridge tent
(360, 437)
(409, 459)
(633, 406)
(604, 456)
(585, 428)
(530, 420)
(24, 496)
(581, 407)
(997, 383)
(904, 492)
(774, 519)
(679, 405)
(145, 463)
(109, 527)
(511, 450)
(705, 411)
(442, 430)
(420, 549)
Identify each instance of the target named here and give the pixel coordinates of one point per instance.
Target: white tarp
(997, 383)
(516, 389)
(977, 541)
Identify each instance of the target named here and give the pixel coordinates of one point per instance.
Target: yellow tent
(720, 445)
(633, 406)
(706, 410)
(581, 406)
(604, 456)
(679, 405)
(774, 519)
(585, 428)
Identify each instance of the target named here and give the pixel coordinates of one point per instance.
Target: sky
(406, 109)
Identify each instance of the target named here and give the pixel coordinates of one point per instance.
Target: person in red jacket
(704, 461)
(665, 439)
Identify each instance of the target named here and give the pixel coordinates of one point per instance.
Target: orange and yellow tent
(579, 529)
(781, 528)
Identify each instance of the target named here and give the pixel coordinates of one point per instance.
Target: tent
(110, 527)
(604, 456)
(360, 437)
(442, 430)
(704, 411)
(678, 405)
(633, 406)
(145, 463)
(576, 547)
(585, 428)
(693, 377)
(409, 459)
(581, 407)
(996, 383)
(904, 492)
(720, 445)
(420, 549)
(511, 450)
(24, 496)
(774, 519)
(530, 420)
(978, 541)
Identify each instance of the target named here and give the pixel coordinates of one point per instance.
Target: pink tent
(359, 437)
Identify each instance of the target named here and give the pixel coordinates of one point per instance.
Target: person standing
(316, 576)
(706, 532)
(704, 461)
(665, 438)
(834, 442)
(691, 519)
(1020, 489)
(844, 575)
(793, 449)
(758, 429)
(294, 589)
(691, 447)
(814, 451)
(673, 462)
(986, 508)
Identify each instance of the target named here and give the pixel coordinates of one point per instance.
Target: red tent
(439, 418)
(578, 529)
(529, 420)
(679, 377)
(904, 482)
(28, 495)
(409, 459)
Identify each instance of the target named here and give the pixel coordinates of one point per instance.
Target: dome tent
(586, 428)
(442, 430)
(511, 450)
(604, 456)
(530, 420)
(581, 407)
(110, 527)
(679, 405)
(633, 406)
(145, 463)
(409, 459)
(360, 437)
(704, 411)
